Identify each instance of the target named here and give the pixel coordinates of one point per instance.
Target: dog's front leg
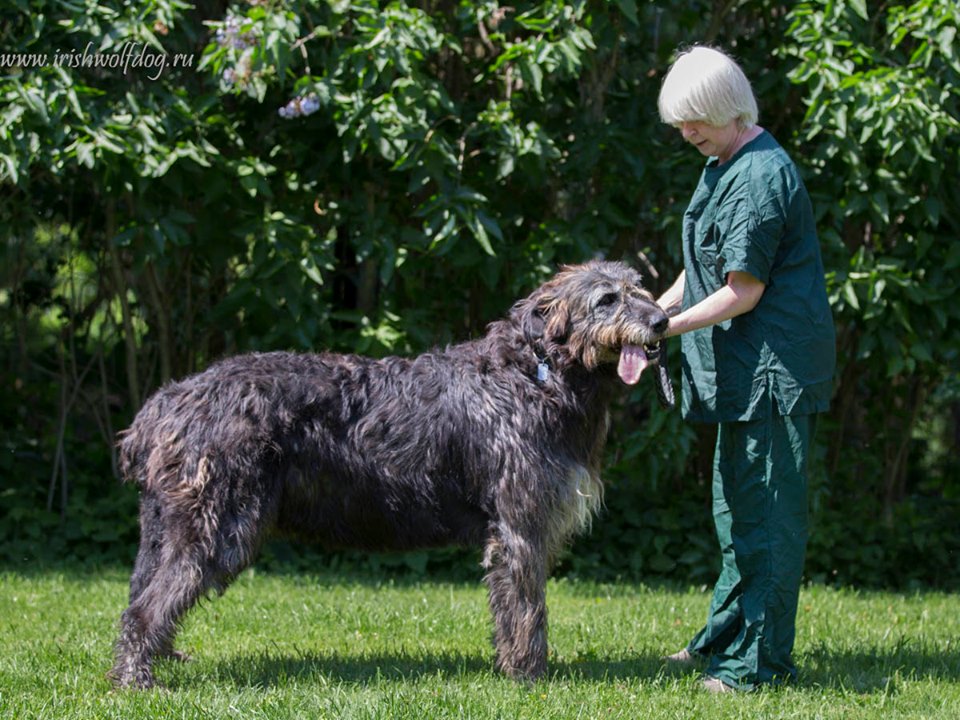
(516, 578)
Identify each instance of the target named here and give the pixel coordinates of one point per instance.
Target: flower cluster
(240, 74)
(232, 34)
(300, 107)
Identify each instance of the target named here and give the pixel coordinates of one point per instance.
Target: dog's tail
(136, 443)
(126, 441)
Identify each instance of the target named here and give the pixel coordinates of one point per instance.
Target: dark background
(434, 162)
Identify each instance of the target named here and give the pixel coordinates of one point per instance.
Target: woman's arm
(740, 295)
(672, 299)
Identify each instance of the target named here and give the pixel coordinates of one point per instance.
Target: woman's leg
(763, 470)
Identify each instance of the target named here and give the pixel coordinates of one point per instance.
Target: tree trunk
(120, 288)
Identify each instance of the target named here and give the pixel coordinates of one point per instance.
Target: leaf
(953, 256)
(36, 102)
(921, 351)
(449, 222)
(310, 269)
(629, 10)
(84, 154)
(880, 205)
(490, 224)
(850, 294)
(506, 162)
(532, 75)
(841, 121)
(469, 195)
(860, 8)
(476, 227)
(9, 168)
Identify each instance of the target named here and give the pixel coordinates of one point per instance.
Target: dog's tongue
(633, 361)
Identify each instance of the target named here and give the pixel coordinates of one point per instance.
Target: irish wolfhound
(494, 442)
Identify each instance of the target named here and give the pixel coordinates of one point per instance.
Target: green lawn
(289, 646)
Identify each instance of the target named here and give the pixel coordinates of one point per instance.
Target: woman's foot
(682, 657)
(716, 685)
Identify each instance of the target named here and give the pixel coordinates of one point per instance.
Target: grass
(290, 646)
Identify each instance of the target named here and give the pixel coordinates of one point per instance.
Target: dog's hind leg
(151, 542)
(191, 547)
(148, 625)
(148, 559)
(516, 579)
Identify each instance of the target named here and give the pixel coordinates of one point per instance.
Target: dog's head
(595, 314)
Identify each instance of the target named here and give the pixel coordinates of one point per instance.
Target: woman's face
(711, 140)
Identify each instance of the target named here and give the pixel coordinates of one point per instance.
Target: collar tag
(543, 371)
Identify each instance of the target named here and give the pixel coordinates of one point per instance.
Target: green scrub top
(753, 214)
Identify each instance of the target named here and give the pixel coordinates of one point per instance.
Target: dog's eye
(608, 299)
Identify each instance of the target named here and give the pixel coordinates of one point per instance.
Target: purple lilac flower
(300, 107)
(231, 34)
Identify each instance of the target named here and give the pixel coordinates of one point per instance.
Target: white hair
(705, 84)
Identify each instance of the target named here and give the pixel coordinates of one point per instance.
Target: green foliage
(882, 126)
(881, 131)
(181, 183)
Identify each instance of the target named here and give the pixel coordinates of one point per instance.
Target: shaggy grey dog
(495, 442)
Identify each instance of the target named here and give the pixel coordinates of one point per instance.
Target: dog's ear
(530, 314)
(557, 328)
(532, 322)
(544, 318)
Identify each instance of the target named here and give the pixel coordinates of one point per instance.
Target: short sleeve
(751, 230)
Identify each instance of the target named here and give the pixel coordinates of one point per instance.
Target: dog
(496, 442)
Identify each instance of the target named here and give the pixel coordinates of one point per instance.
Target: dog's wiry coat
(495, 442)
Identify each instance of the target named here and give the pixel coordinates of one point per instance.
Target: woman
(758, 358)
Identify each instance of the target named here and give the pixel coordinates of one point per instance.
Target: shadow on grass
(863, 670)
(271, 671)
(857, 671)
(267, 671)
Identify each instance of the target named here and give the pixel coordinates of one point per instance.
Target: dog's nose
(660, 326)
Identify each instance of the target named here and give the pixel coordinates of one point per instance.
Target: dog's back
(360, 453)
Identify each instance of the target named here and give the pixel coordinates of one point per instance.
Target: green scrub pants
(760, 513)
